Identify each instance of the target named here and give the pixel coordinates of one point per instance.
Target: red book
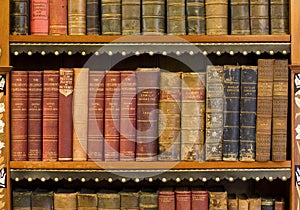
(166, 200)
(58, 17)
(183, 199)
(199, 199)
(19, 120)
(39, 17)
(50, 115)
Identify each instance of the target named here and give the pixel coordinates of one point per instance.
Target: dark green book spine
(153, 16)
(21, 200)
(195, 17)
(176, 22)
(111, 17)
(92, 17)
(19, 17)
(240, 17)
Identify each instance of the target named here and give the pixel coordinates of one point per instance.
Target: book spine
(39, 17)
(58, 17)
(243, 202)
(129, 200)
(259, 17)
(176, 21)
(195, 17)
(110, 200)
(254, 203)
(19, 120)
(50, 115)
(153, 16)
(232, 202)
(66, 200)
(279, 16)
(148, 200)
(183, 200)
(35, 99)
(21, 200)
(65, 124)
(216, 17)
(217, 200)
(199, 199)
(166, 200)
(76, 17)
(87, 201)
(279, 204)
(19, 17)
(92, 17)
(42, 200)
(131, 16)
(267, 204)
(111, 17)
(240, 17)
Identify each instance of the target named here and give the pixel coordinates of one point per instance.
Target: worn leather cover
(92, 17)
(240, 17)
(216, 17)
(195, 15)
(76, 17)
(111, 17)
(39, 17)
(19, 17)
(279, 13)
(259, 17)
(58, 17)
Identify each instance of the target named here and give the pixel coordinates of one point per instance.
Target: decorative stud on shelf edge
(83, 180)
(29, 179)
(29, 53)
(17, 179)
(177, 179)
(110, 180)
(16, 53)
(231, 179)
(204, 179)
(270, 178)
(137, 53)
(244, 178)
(178, 53)
(231, 52)
(43, 53)
(284, 52)
(164, 180)
(96, 180)
(43, 179)
(123, 180)
(56, 52)
(283, 178)
(56, 179)
(258, 52)
(192, 53)
(83, 53)
(217, 179)
(151, 53)
(97, 53)
(191, 179)
(137, 180)
(123, 53)
(218, 53)
(69, 179)
(165, 53)
(271, 52)
(245, 53)
(204, 53)
(110, 53)
(70, 52)
(150, 179)
(257, 178)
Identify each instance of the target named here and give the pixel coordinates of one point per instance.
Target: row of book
(227, 113)
(176, 17)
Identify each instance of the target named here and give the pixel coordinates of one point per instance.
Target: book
(232, 202)
(153, 16)
(21, 199)
(267, 203)
(77, 17)
(248, 103)
(131, 16)
(199, 199)
(216, 17)
(92, 17)
(176, 21)
(65, 119)
(259, 17)
(58, 16)
(217, 200)
(108, 200)
(240, 17)
(19, 17)
(87, 200)
(254, 202)
(264, 109)
(183, 199)
(243, 202)
(166, 199)
(80, 113)
(129, 199)
(279, 16)
(147, 80)
(111, 17)
(39, 17)
(148, 199)
(42, 199)
(279, 203)
(65, 199)
(35, 100)
(19, 119)
(195, 17)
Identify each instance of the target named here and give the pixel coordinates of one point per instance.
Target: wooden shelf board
(5, 68)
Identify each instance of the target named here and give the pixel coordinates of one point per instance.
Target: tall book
(129, 199)
(65, 119)
(214, 113)
(216, 17)
(21, 199)
(19, 17)
(195, 17)
(259, 17)
(169, 116)
(193, 115)
(183, 199)
(87, 200)
(111, 17)
(65, 199)
(39, 17)
(131, 16)
(80, 113)
(199, 199)
(148, 200)
(76, 17)
(147, 80)
(58, 17)
(231, 129)
(19, 119)
(42, 199)
(248, 103)
(153, 16)
(217, 200)
(128, 116)
(264, 109)
(280, 109)
(166, 199)
(108, 200)
(279, 16)
(50, 115)
(92, 17)
(35, 100)
(176, 21)
(240, 17)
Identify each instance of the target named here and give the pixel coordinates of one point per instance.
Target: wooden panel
(295, 31)
(4, 32)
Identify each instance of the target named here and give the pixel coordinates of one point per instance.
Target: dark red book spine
(183, 200)
(39, 17)
(199, 199)
(58, 17)
(166, 200)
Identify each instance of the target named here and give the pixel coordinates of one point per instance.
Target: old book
(232, 202)
(217, 200)
(131, 16)
(129, 199)
(111, 17)
(96, 116)
(248, 113)
(199, 199)
(65, 119)
(153, 16)
(58, 17)
(280, 110)
(21, 199)
(35, 100)
(50, 115)
(87, 200)
(231, 129)
(127, 116)
(76, 17)
(259, 17)
(216, 17)
(108, 200)
(19, 17)
(112, 116)
(169, 116)
(195, 17)
(147, 80)
(176, 21)
(80, 113)
(192, 115)
(254, 202)
(279, 203)
(39, 17)
(42, 199)
(92, 17)
(214, 113)
(65, 199)
(264, 109)
(267, 203)
(183, 199)
(279, 16)
(166, 199)
(148, 199)
(243, 202)
(240, 17)
(19, 119)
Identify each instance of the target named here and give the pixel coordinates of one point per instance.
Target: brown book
(42, 199)
(21, 199)
(199, 199)
(153, 16)
(166, 199)
(35, 100)
(183, 199)
(147, 113)
(176, 21)
(240, 17)
(254, 202)
(19, 120)
(108, 200)
(92, 17)
(259, 17)
(216, 17)
(279, 16)
(65, 124)
(264, 109)
(217, 200)
(76, 17)
(87, 200)
(243, 202)
(131, 16)
(195, 17)
(50, 115)
(65, 199)
(148, 200)
(279, 204)
(267, 203)
(58, 17)
(232, 202)
(129, 200)
(111, 17)
(39, 17)
(19, 17)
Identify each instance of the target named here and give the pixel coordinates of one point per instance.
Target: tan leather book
(216, 17)
(259, 17)
(108, 200)
(217, 200)
(76, 17)
(243, 202)
(131, 17)
(111, 17)
(232, 202)
(240, 17)
(176, 21)
(153, 16)
(254, 202)
(279, 16)
(195, 17)
(148, 199)
(87, 200)
(65, 199)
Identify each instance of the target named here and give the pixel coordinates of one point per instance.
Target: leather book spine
(214, 113)
(153, 17)
(216, 17)
(19, 17)
(80, 113)
(240, 17)
(193, 115)
(35, 100)
(65, 119)
(248, 102)
(279, 204)
(76, 17)
(280, 110)
(264, 109)
(112, 116)
(92, 17)
(231, 129)
(279, 16)
(147, 113)
(87, 201)
(166, 200)
(148, 200)
(176, 21)
(243, 202)
(58, 16)
(19, 120)
(169, 116)
(217, 200)
(96, 116)
(232, 202)
(129, 200)
(199, 199)
(108, 200)
(42, 200)
(254, 202)
(65, 200)
(267, 203)
(259, 17)
(39, 17)
(128, 116)
(50, 115)
(131, 16)
(195, 17)
(183, 199)
(21, 200)
(111, 17)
